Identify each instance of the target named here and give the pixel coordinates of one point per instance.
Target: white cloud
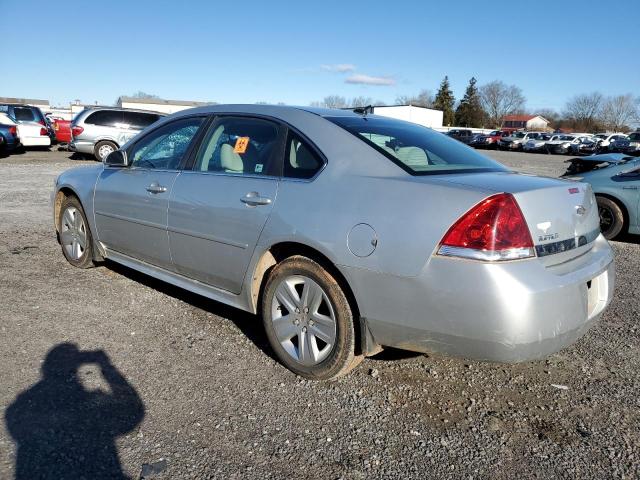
(370, 80)
(339, 67)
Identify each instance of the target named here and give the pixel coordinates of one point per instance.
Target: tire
(292, 331)
(611, 217)
(104, 148)
(74, 234)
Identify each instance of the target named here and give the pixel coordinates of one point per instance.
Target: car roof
(136, 110)
(277, 111)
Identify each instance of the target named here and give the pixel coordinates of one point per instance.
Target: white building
(410, 113)
(42, 104)
(528, 122)
(157, 104)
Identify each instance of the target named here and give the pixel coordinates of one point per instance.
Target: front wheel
(308, 320)
(611, 217)
(74, 233)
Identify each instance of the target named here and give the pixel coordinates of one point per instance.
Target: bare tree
(619, 111)
(584, 110)
(499, 100)
(335, 101)
(423, 99)
(141, 94)
(361, 102)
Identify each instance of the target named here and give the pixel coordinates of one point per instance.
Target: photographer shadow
(62, 430)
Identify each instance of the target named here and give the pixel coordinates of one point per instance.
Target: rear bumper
(42, 141)
(81, 146)
(505, 312)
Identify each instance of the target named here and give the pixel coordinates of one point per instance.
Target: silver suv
(100, 131)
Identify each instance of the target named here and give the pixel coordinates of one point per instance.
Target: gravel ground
(188, 388)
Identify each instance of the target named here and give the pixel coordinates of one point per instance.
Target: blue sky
(298, 51)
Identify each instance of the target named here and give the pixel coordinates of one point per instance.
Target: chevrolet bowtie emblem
(580, 210)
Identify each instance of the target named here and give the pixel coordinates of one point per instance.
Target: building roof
(160, 101)
(522, 118)
(24, 101)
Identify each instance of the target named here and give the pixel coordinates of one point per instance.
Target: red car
(489, 140)
(62, 129)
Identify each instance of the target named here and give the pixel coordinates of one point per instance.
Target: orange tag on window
(241, 145)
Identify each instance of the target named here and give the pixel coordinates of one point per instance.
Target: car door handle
(156, 188)
(253, 199)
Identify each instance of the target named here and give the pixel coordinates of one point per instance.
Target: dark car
(8, 138)
(464, 136)
(629, 145)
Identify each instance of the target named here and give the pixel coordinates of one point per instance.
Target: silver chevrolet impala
(347, 232)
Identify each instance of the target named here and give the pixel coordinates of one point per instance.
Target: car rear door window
(139, 120)
(165, 147)
(238, 145)
(301, 161)
(105, 118)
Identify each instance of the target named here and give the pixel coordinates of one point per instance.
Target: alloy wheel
(73, 233)
(304, 320)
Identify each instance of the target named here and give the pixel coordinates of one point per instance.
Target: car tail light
(56, 126)
(494, 229)
(75, 131)
(43, 131)
(13, 131)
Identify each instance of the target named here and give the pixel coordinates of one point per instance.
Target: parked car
(498, 266)
(102, 130)
(605, 139)
(62, 128)
(516, 140)
(489, 140)
(32, 127)
(615, 179)
(562, 145)
(585, 145)
(629, 145)
(464, 136)
(538, 144)
(9, 140)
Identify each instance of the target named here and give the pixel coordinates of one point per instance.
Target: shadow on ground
(63, 430)
(250, 325)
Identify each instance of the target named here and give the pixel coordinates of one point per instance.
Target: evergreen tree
(470, 112)
(444, 101)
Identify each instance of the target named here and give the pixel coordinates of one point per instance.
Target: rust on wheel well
(63, 193)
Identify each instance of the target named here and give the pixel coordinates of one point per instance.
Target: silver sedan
(346, 232)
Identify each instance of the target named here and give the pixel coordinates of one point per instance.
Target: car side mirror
(117, 158)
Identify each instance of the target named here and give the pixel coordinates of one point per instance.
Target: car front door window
(165, 148)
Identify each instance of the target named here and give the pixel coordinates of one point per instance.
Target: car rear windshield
(416, 149)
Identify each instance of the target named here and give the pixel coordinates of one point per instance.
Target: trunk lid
(562, 215)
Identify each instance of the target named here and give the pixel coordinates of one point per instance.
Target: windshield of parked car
(416, 149)
(566, 137)
(635, 137)
(545, 137)
(518, 134)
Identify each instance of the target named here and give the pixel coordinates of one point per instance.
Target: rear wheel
(308, 320)
(74, 233)
(103, 149)
(611, 217)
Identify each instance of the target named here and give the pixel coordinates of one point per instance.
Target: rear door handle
(254, 199)
(156, 188)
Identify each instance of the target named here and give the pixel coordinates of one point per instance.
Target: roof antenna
(364, 110)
